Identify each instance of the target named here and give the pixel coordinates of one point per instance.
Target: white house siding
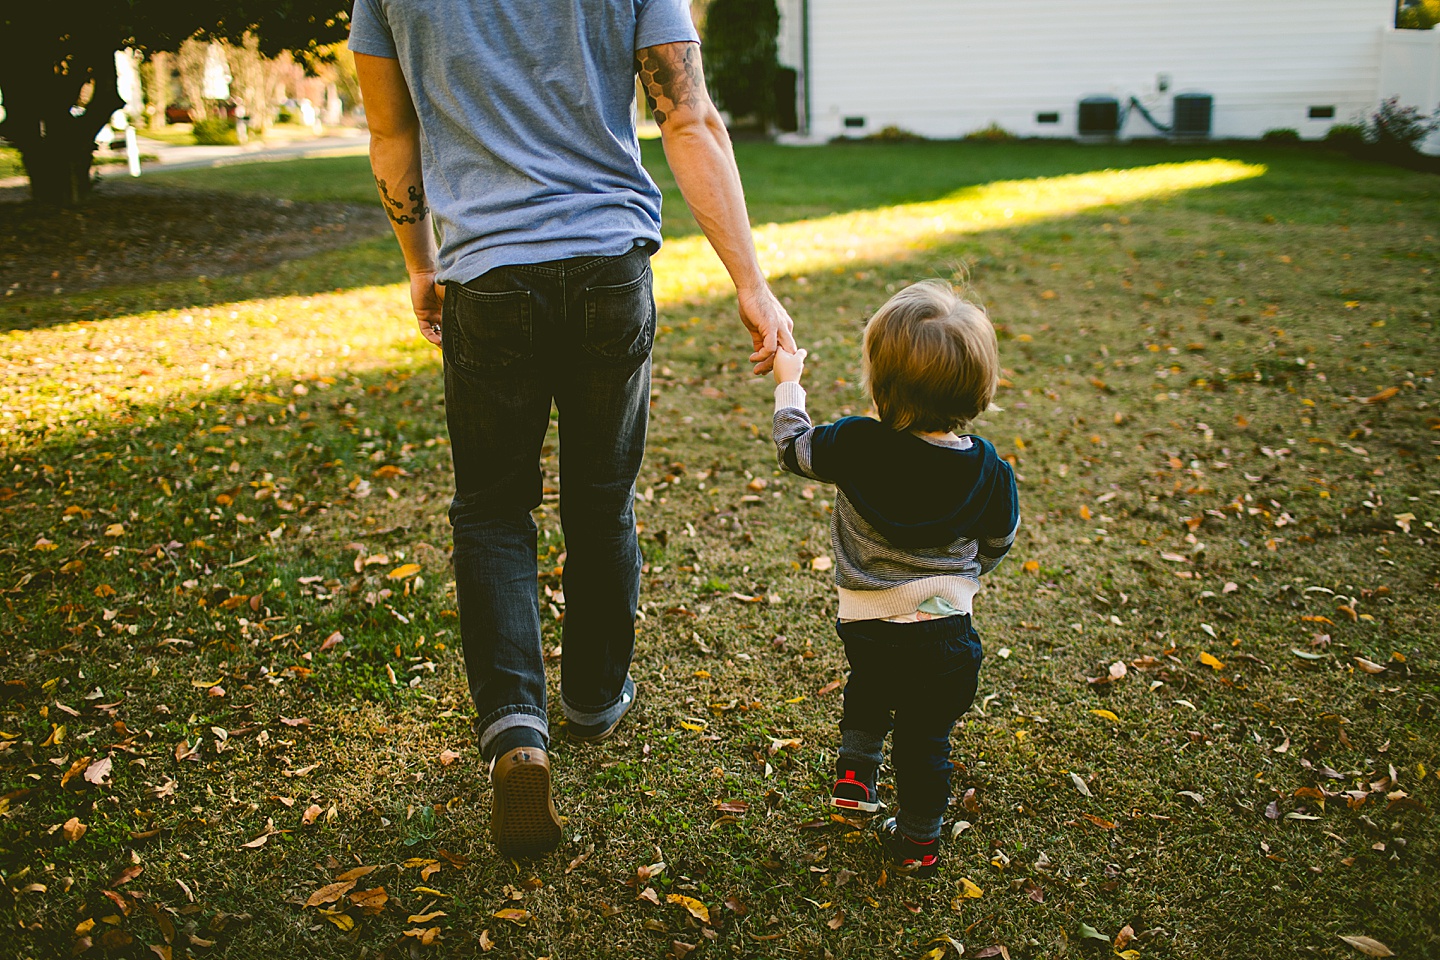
(943, 68)
(1410, 70)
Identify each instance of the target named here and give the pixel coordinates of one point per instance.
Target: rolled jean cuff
(923, 827)
(602, 716)
(501, 720)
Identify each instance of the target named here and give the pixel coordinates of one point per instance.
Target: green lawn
(1219, 398)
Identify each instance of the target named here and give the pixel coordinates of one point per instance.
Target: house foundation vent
(1193, 113)
(1099, 117)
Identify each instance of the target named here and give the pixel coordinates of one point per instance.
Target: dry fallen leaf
(371, 901)
(330, 893)
(486, 943)
(1080, 785)
(835, 922)
(696, 909)
(969, 889)
(1210, 660)
(1368, 946)
(355, 873)
(514, 914)
(448, 756)
(73, 829)
(311, 812)
(403, 571)
(98, 771)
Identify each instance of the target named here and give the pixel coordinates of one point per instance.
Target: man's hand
(770, 327)
(789, 367)
(426, 296)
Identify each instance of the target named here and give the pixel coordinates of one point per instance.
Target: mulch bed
(131, 233)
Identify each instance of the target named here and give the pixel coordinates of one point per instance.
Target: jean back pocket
(620, 318)
(487, 330)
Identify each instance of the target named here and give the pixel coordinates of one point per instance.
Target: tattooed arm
(395, 160)
(698, 150)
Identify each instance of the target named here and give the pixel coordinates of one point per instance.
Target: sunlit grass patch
(688, 267)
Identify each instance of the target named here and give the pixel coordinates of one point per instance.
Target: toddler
(920, 513)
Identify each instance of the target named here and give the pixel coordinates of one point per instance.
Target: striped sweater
(914, 517)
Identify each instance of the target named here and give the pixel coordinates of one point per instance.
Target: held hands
(789, 366)
(769, 324)
(426, 297)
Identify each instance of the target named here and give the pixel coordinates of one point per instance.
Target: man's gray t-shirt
(527, 121)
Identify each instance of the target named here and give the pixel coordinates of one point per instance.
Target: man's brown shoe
(522, 817)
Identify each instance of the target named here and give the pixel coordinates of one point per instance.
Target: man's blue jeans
(577, 332)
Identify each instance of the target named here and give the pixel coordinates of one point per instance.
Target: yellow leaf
(969, 889)
(115, 530)
(426, 935)
(1210, 660)
(697, 909)
(341, 920)
(696, 727)
(1031, 566)
(204, 684)
(796, 699)
(426, 917)
(403, 571)
(431, 891)
(1106, 715)
(1084, 512)
(513, 914)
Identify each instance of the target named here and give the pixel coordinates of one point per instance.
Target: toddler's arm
(793, 430)
(997, 540)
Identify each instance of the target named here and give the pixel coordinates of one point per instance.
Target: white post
(132, 151)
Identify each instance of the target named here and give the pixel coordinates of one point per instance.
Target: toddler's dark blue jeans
(577, 332)
(917, 679)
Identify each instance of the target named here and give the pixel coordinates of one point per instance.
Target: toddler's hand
(789, 366)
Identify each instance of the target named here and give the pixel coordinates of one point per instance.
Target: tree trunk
(159, 89)
(59, 172)
(43, 76)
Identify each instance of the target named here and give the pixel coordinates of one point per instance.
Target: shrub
(1281, 135)
(216, 131)
(1398, 130)
(1418, 15)
(1346, 136)
(994, 133)
(286, 115)
(741, 56)
(894, 134)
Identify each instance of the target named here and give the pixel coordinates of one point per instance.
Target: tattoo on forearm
(672, 77)
(395, 209)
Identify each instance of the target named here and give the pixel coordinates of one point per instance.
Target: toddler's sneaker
(855, 786)
(913, 858)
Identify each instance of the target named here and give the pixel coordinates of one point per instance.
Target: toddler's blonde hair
(930, 360)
